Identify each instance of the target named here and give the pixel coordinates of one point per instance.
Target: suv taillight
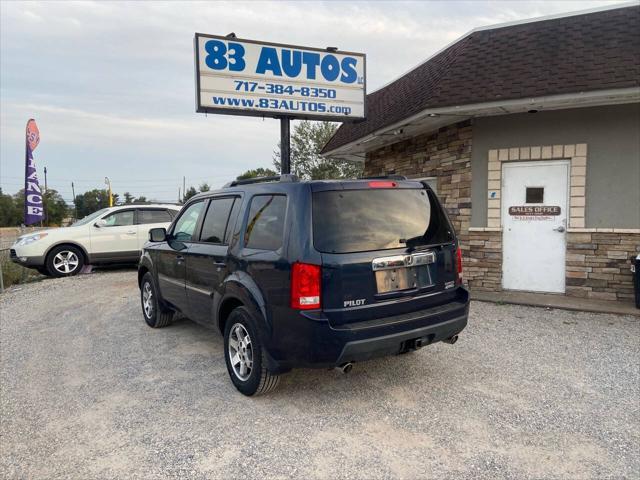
(305, 286)
(459, 266)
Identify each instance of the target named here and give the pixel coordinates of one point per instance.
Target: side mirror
(101, 223)
(158, 235)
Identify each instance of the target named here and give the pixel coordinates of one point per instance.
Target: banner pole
(285, 146)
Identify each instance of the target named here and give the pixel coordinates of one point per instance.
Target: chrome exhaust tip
(451, 340)
(345, 367)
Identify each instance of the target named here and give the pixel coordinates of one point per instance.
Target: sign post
(253, 78)
(285, 146)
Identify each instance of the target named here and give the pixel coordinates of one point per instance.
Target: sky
(111, 84)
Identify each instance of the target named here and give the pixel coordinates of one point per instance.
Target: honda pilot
(308, 273)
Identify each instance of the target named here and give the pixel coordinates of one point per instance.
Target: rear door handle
(559, 229)
(179, 258)
(131, 232)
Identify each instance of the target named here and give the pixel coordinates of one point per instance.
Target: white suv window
(153, 216)
(123, 218)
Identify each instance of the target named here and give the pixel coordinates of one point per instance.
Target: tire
(254, 378)
(64, 261)
(43, 271)
(154, 314)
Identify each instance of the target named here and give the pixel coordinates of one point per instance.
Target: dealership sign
(246, 77)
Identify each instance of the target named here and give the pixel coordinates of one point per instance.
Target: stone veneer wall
(599, 263)
(483, 268)
(445, 154)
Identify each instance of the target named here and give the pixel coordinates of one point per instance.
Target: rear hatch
(388, 249)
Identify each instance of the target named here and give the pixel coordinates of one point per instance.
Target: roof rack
(276, 178)
(385, 177)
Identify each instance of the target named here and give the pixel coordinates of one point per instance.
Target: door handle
(179, 258)
(559, 229)
(131, 232)
(219, 264)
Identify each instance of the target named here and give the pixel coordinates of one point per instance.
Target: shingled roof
(576, 53)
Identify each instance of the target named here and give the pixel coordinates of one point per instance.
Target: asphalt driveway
(89, 391)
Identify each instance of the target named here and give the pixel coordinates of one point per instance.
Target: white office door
(534, 220)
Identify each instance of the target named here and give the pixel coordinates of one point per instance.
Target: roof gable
(579, 53)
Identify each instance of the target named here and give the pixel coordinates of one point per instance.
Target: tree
(128, 198)
(307, 141)
(10, 214)
(55, 206)
(204, 187)
(257, 172)
(141, 199)
(191, 191)
(92, 201)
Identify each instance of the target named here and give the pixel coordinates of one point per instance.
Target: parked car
(308, 273)
(110, 235)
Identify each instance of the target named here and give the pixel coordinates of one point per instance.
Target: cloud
(111, 83)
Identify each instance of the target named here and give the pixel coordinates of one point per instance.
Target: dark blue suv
(308, 273)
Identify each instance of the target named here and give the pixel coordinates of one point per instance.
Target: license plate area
(403, 272)
(407, 278)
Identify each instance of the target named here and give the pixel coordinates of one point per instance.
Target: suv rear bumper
(395, 343)
(308, 340)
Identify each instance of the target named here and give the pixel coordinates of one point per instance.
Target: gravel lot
(89, 391)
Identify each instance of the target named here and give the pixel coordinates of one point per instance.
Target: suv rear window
(266, 222)
(348, 221)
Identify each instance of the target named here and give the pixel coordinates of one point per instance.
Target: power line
(127, 181)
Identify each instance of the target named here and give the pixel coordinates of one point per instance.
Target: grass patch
(13, 274)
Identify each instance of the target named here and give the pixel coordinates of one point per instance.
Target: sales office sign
(538, 212)
(246, 77)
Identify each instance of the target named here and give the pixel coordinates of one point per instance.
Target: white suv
(110, 235)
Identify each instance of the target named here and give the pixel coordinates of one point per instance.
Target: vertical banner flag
(33, 206)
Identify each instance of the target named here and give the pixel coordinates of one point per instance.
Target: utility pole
(285, 145)
(179, 199)
(75, 207)
(184, 187)
(108, 183)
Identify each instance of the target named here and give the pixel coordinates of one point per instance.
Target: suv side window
(215, 221)
(153, 216)
(186, 224)
(265, 225)
(123, 218)
(233, 217)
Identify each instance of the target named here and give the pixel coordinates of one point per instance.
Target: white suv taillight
(305, 286)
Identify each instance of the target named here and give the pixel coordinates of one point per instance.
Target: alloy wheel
(66, 262)
(147, 300)
(240, 351)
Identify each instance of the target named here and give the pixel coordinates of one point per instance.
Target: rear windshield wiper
(413, 241)
(422, 241)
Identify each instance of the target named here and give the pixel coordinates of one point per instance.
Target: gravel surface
(89, 391)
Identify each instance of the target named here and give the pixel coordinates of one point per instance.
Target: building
(530, 134)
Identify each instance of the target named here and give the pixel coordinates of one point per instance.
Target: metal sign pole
(285, 146)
